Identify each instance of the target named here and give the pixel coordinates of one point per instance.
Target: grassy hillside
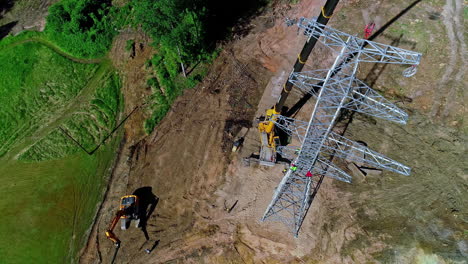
(52, 187)
(35, 82)
(90, 124)
(55, 81)
(48, 206)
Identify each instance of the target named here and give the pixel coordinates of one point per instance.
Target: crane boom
(269, 141)
(325, 15)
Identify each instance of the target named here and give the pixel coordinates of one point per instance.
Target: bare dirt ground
(19, 15)
(454, 73)
(188, 164)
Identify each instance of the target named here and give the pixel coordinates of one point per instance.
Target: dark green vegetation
(185, 33)
(84, 28)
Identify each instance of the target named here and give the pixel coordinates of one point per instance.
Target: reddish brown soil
(185, 159)
(188, 164)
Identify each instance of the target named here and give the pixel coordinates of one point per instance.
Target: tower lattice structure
(335, 89)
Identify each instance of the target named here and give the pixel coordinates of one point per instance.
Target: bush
(185, 31)
(158, 114)
(175, 26)
(83, 28)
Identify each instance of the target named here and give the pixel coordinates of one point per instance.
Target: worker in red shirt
(368, 30)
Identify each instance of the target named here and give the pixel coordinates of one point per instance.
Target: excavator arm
(110, 230)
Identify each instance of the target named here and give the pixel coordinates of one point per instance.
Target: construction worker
(285, 170)
(368, 30)
(156, 243)
(297, 151)
(293, 168)
(309, 174)
(237, 144)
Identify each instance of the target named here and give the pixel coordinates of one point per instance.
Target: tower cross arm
(326, 167)
(370, 51)
(361, 99)
(291, 126)
(366, 100)
(347, 149)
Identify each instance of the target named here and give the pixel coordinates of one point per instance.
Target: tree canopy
(176, 27)
(81, 27)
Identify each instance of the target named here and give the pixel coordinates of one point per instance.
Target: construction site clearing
(202, 201)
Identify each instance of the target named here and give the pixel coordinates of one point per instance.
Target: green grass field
(35, 84)
(48, 206)
(89, 124)
(51, 188)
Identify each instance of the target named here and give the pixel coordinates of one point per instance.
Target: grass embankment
(49, 205)
(36, 83)
(51, 187)
(89, 124)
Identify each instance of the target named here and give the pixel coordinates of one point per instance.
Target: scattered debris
(232, 207)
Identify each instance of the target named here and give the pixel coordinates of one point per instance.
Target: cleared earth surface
(207, 205)
(186, 162)
(19, 15)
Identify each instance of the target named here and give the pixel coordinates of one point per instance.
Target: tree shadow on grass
(5, 6)
(5, 29)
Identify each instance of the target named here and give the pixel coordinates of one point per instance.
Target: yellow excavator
(269, 140)
(127, 212)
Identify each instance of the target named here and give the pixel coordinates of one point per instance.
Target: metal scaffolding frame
(319, 144)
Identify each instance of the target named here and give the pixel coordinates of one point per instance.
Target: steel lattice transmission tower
(318, 143)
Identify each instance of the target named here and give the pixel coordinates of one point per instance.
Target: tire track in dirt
(450, 85)
(98, 247)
